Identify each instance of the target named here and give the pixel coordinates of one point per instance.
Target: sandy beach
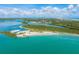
(33, 33)
(30, 33)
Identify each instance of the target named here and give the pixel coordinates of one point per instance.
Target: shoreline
(26, 33)
(33, 33)
(69, 34)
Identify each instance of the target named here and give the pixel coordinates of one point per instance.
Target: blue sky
(39, 10)
(32, 5)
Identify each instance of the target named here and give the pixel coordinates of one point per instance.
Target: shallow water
(54, 44)
(9, 25)
(40, 44)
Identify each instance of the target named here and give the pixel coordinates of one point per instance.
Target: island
(43, 26)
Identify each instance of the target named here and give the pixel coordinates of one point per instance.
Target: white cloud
(48, 11)
(71, 6)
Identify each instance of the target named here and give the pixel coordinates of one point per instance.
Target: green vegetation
(9, 34)
(69, 26)
(48, 28)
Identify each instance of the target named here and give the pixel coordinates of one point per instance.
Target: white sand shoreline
(68, 34)
(36, 34)
(33, 33)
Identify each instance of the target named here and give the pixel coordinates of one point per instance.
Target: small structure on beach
(20, 33)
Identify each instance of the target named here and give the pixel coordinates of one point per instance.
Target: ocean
(50, 44)
(54, 44)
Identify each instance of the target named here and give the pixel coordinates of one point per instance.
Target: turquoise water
(39, 44)
(54, 44)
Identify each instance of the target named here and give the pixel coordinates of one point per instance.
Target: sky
(39, 10)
